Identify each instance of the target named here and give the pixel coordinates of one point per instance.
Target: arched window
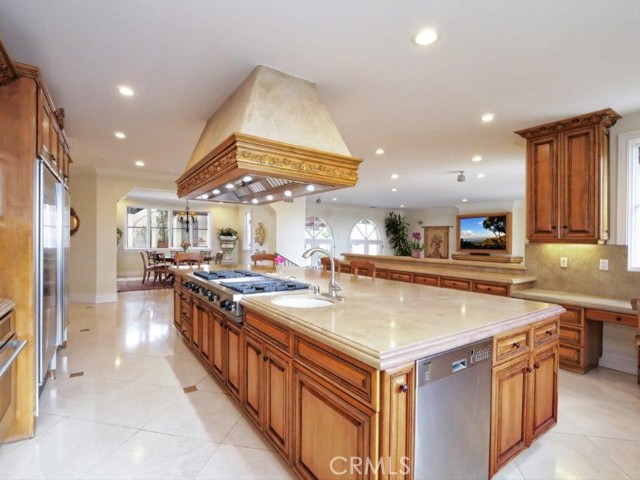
(365, 238)
(317, 233)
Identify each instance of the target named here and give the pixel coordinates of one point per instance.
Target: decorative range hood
(272, 139)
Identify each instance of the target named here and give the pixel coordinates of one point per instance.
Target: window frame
(628, 218)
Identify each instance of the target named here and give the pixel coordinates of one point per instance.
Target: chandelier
(187, 217)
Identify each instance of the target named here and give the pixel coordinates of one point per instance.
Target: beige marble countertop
(386, 323)
(575, 299)
(6, 306)
(466, 270)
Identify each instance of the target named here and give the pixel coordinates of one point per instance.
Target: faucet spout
(334, 287)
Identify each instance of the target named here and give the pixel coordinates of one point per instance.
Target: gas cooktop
(219, 274)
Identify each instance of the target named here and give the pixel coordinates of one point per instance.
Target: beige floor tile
(619, 386)
(565, 425)
(575, 386)
(200, 415)
(509, 472)
(64, 395)
(210, 384)
(245, 434)
(563, 456)
(241, 463)
(149, 455)
(600, 418)
(66, 451)
(133, 405)
(625, 453)
(175, 372)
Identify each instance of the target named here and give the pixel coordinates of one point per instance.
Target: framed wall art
(436, 242)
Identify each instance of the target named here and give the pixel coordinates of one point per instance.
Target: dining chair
(182, 258)
(326, 263)
(263, 257)
(161, 271)
(363, 267)
(147, 267)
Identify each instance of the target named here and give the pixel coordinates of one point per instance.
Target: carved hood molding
(271, 140)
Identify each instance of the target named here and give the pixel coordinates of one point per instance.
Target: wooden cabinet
(455, 283)
(267, 389)
(182, 312)
(218, 340)
(580, 340)
(426, 279)
(567, 179)
(524, 399)
(233, 344)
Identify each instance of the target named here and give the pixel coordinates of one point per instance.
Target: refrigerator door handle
(17, 346)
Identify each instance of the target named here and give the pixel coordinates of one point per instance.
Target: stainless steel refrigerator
(52, 244)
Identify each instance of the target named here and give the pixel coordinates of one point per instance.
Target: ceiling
(527, 62)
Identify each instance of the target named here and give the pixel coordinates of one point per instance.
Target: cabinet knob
(536, 365)
(529, 369)
(404, 388)
(553, 227)
(516, 345)
(549, 333)
(265, 358)
(565, 226)
(619, 318)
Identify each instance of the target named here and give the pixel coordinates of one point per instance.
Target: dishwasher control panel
(432, 369)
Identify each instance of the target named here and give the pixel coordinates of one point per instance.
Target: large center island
(334, 387)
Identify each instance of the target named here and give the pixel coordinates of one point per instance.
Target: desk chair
(363, 267)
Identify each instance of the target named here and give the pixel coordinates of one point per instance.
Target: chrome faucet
(334, 287)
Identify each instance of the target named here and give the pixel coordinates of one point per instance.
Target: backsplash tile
(583, 274)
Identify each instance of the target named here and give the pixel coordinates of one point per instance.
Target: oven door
(8, 385)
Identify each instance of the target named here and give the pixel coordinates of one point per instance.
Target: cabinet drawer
(185, 309)
(611, 317)
(511, 345)
(571, 335)
(348, 374)
(545, 332)
(570, 355)
(491, 289)
(276, 334)
(400, 276)
(431, 280)
(573, 316)
(456, 284)
(382, 273)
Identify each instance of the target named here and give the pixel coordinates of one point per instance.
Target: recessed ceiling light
(229, 186)
(477, 158)
(310, 188)
(487, 117)
(287, 193)
(380, 151)
(125, 91)
(481, 175)
(334, 199)
(119, 135)
(269, 197)
(139, 163)
(255, 200)
(464, 199)
(394, 176)
(394, 189)
(425, 37)
(247, 179)
(401, 206)
(216, 192)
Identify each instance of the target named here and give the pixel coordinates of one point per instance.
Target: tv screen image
(484, 233)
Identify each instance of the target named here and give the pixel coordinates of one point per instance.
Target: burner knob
(212, 297)
(231, 307)
(223, 304)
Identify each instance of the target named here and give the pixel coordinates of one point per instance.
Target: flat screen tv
(484, 233)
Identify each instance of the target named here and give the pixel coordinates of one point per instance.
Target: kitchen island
(338, 381)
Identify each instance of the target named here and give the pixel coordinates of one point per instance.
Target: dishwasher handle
(459, 365)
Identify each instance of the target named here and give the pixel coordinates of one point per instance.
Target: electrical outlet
(604, 264)
(564, 262)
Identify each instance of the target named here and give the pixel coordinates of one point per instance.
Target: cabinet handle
(536, 365)
(404, 388)
(553, 227)
(565, 226)
(549, 333)
(529, 369)
(516, 345)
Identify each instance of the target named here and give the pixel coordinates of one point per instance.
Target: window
(365, 238)
(633, 202)
(149, 228)
(317, 233)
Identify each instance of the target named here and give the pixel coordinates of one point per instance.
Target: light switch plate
(564, 262)
(604, 264)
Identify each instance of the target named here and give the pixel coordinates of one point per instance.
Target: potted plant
(416, 245)
(226, 232)
(397, 230)
(162, 219)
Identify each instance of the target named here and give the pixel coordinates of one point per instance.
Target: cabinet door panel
(544, 392)
(205, 333)
(252, 358)
(277, 392)
(217, 346)
(580, 199)
(234, 365)
(509, 412)
(542, 186)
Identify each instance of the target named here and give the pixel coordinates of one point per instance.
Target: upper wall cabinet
(568, 179)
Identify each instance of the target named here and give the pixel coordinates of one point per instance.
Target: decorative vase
(417, 253)
(185, 249)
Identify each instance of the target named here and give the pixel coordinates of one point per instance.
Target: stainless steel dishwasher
(453, 409)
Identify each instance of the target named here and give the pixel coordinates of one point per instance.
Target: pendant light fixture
(187, 217)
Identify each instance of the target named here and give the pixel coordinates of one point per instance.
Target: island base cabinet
(334, 435)
(544, 392)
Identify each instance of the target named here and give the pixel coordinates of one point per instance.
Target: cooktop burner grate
(264, 287)
(218, 274)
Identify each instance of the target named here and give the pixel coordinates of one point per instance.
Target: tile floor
(127, 416)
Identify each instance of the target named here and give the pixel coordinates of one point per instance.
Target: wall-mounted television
(482, 233)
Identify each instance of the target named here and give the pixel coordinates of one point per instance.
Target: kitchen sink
(297, 301)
